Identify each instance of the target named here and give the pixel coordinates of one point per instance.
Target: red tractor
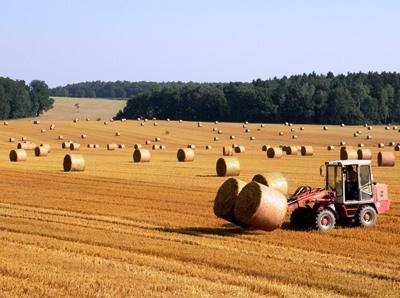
(350, 196)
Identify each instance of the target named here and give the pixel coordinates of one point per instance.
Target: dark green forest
(354, 98)
(18, 100)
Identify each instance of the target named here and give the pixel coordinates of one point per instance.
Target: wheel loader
(350, 196)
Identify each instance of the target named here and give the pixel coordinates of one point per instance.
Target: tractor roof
(349, 162)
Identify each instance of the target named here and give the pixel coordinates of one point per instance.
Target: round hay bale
(199, 124)
(216, 122)
(381, 145)
(234, 145)
(112, 146)
(24, 139)
(52, 126)
(281, 133)
(369, 137)
(96, 146)
(43, 130)
(137, 146)
(142, 124)
(18, 155)
(191, 146)
(387, 127)
(185, 154)
(325, 128)
(240, 149)
(147, 142)
(386, 159)
(391, 144)
(74, 163)
(90, 146)
(247, 130)
(294, 136)
(359, 132)
(117, 134)
(274, 180)
(216, 139)
(346, 154)
(111, 120)
(292, 130)
(369, 127)
(246, 122)
(155, 147)
(60, 137)
(87, 119)
(26, 146)
(265, 147)
(5, 123)
(11, 140)
(47, 146)
(105, 122)
(123, 119)
(145, 120)
(155, 124)
(252, 138)
(75, 120)
(274, 152)
(121, 146)
(215, 129)
(228, 166)
(74, 146)
(355, 134)
(157, 139)
(260, 207)
(163, 147)
(227, 151)
(307, 150)
(342, 143)
(36, 122)
(364, 154)
(331, 147)
(220, 131)
(83, 136)
(41, 151)
(302, 128)
(360, 145)
(180, 121)
(342, 125)
(262, 125)
(168, 120)
(232, 137)
(397, 147)
(141, 155)
(208, 147)
(291, 150)
(286, 123)
(394, 127)
(65, 145)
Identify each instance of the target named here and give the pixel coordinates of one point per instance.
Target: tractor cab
(351, 180)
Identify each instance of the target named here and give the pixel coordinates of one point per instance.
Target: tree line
(18, 100)
(353, 98)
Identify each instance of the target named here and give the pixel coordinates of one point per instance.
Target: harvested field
(138, 229)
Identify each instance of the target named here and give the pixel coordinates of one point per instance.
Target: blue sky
(222, 40)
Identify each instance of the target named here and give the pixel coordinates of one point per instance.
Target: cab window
(365, 179)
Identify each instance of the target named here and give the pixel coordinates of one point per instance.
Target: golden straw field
(148, 229)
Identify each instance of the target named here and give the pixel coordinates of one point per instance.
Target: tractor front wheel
(325, 220)
(367, 216)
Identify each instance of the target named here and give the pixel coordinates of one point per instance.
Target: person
(351, 183)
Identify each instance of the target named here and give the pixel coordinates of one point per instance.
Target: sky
(64, 42)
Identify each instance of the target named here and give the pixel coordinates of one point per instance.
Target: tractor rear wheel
(300, 218)
(367, 216)
(325, 220)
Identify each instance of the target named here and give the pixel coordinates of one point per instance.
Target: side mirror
(321, 171)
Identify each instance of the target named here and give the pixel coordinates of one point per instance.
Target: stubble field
(126, 229)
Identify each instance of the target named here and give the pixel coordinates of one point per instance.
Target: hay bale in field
(24, 139)
(47, 146)
(364, 154)
(294, 136)
(98, 119)
(274, 180)
(355, 134)
(26, 146)
(286, 123)
(369, 127)
(74, 163)
(112, 146)
(41, 151)
(155, 124)
(111, 120)
(215, 129)
(74, 146)
(302, 128)
(246, 122)
(228, 166)
(216, 122)
(349, 153)
(216, 139)
(90, 146)
(148, 142)
(359, 132)
(83, 136)
(234, 145)
(75, 120)
(155, 147)
(141, 155)
(331, 147)
(87, 119)
(191, 146)
(163, 147)
(262, 125)
(307, 150)
(369, 137)
(342, 143)
(11, 139)
(121, 146)
(137, 146)
(342, 125)
(52, 126)
(105, 122)
(360, 145)
(265, 147)
(325, 127)
(180, 121)
(123, 119)
(274, 152)
(36, 122)
(240, 149)
(381, 145)
(18, 155)
(199, 124)
(208, 147)
(5, 123)
(386, 159)
(391, 144)
(247, 130)
(232, 137)
(168, 120)
(220, 131)
(185, 154)
(394, 127)
(142, 124)
(291, 150)
(65, 145)
(157, 139)
(117, 134)
(397, 147)
(96, 146)
(227, 151)
(43, 130)
(60, 137)
(292, 130)
(387, 127)
(260, 207)
(252, 138)
(281, 133)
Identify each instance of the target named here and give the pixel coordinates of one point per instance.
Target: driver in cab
(351, 184)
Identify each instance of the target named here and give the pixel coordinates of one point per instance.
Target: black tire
(367, 216)
(300, 218)
(325, 220)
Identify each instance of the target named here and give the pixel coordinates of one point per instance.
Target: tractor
(350, 197)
